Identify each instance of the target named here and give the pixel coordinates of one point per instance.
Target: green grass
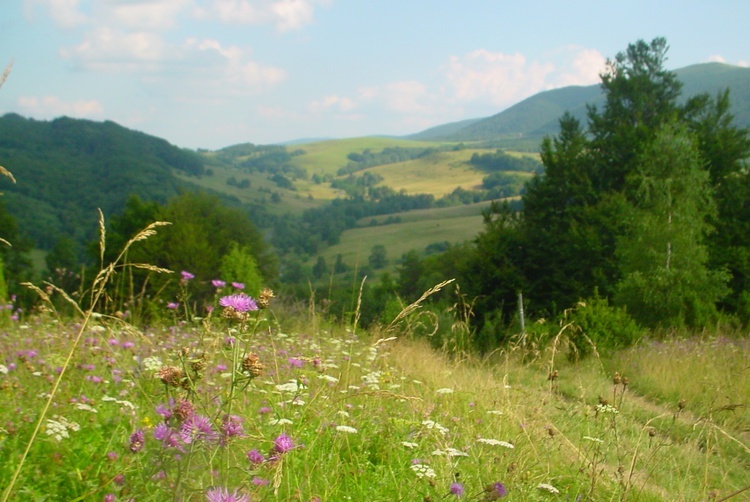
(416, 232)
(366, 414)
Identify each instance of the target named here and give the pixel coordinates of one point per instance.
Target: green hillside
(528, 121)
(68, 168)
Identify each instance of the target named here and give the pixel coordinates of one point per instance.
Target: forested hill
(67, 168)
(538, 115)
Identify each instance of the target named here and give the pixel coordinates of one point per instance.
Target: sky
(214, 73)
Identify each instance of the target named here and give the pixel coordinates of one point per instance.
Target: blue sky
(212, 73)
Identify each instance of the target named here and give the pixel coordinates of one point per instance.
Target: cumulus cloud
(717, 58)
(332, 102)
(52, 106)
(284, 14)
(141, 15)
(65, 13)
(502, 79)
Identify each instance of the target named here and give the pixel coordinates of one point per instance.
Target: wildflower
(495, 442)
(257, 481)
(223, 495)
(196, 428)
(110, 497)
(3, 369)
(444, 390)
(264, 298)
(548, 487)
(136, 441)
(239, 302)
(495, 491)
(346, 428)
(186, 276)
(279, 421)
(183, 410)
(170, 375)
(423, 471)
(255, 457)
(218, 284)
(173, 305)
(457, 489)
(58, 427)
(238, 285)
(251, 365)
(152, 363)
(295, 362)
(283, 444)
(409, 445)
(232, 426)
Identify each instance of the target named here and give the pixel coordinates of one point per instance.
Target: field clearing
(399, 238)
(438, 174)
(327, 157)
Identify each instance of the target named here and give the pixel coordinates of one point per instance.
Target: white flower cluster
(58, 427)
(496, 442)
(548, 487)
(607, 408)
(450, 452)
(3, 369)
(423, 471)
(434, 425)
(346, 428)
(444, 390)
(152, 363)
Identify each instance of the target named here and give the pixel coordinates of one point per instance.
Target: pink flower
(218, 284)
(186, 276)
(238, 285)
(239, 302)
(283, 444)
(223, 495)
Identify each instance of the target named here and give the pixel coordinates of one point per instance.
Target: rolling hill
(528, 121)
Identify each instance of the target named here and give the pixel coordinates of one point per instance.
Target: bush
(596, 324)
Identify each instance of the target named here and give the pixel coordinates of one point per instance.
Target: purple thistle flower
(495, 491)
(238, 285)
(223, 495)
(255, 457)
(197, 428)
(186, 276)
(110, 497)
(283, 444)
(295, 363)
(232, 426)
(258, 481)
(161, 432)
(136, 441)
(239, 302)
(218, 283)
(457, 489)
(173, 305)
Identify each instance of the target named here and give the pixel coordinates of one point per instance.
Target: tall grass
(279, 404)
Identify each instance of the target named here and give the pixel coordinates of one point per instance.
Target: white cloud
(577, 66)
(498, 78)
(717, 58)
(52, 106)
(284, 14)
(65, 13)
(504, 79)
(106, 49)
(332, 102)
(407, 97)
(141, 14)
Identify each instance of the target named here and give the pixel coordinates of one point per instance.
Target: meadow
(266, 400)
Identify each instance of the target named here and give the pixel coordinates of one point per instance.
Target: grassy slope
(438, 174)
